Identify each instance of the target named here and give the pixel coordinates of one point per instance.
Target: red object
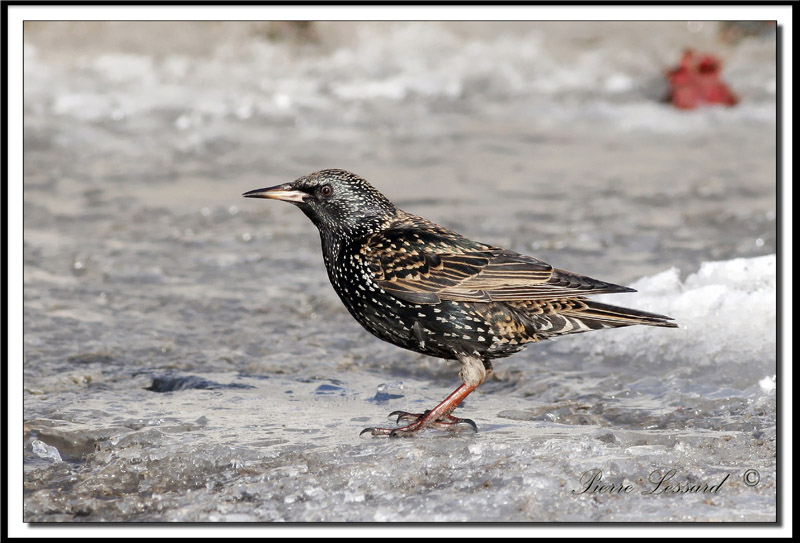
(695, 82)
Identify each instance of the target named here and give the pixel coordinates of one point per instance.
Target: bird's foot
(420, 422)
(438, 417)
(445, 422)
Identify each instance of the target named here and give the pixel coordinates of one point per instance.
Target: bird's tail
(599, 315)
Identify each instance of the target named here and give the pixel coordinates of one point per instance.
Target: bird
(430, 290)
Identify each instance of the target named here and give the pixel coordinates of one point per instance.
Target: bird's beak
(278, 192)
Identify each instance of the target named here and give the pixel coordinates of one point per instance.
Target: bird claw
(458, 421)
(418, 423)
(453, 423)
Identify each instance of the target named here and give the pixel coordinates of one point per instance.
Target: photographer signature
(660, 483)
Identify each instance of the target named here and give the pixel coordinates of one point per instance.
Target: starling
(428, 289)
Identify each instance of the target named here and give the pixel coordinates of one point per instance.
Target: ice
(767, 384)
(389, 391)
(304, 462)
(43, 450)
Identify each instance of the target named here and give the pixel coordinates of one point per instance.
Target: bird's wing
(428, 271)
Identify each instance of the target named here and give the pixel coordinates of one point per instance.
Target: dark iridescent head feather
(353, 207)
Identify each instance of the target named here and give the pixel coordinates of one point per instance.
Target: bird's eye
(326, 190)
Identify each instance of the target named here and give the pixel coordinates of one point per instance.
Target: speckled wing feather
(427, 267)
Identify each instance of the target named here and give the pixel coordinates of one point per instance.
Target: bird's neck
(337, 243)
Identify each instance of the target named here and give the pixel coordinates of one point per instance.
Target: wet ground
(185, 358)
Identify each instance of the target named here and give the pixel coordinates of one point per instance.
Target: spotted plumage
(425, 288)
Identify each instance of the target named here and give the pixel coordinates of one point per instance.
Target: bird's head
(338, 202)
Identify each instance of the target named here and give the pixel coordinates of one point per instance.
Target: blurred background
(602, 147)
(479, 113)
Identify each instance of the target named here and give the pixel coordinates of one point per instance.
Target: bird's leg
(473, 373)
